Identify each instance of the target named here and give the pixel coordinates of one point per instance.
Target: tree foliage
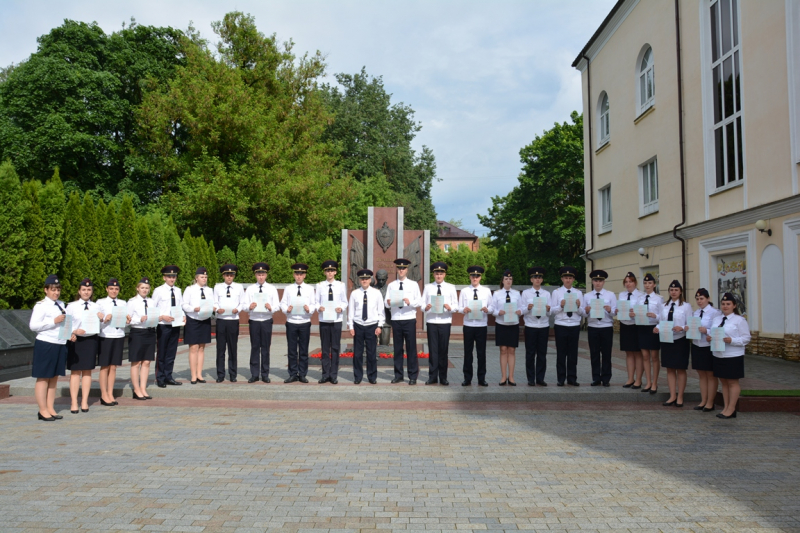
(34, 269)
(12, 234)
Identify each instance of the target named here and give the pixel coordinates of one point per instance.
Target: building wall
(473, 244)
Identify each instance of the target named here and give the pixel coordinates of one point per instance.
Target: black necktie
(330, 292)
(85, 306)
(115, 302)
(701, 314)
(537, 295)
(508, 297)
(647, 300)
(172, 293)
(671, 311)
(229, 292)
(145, 307)
(364, 308)
(598, 297)
(401, 285)
(202, 294)
(298, 291)
(259, 288)
(570, 313)
(722, 324)
(438, 290)
(475, 296)
(629, 296)
(61, 309)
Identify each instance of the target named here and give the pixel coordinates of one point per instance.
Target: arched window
(602, 111)
(647, 82)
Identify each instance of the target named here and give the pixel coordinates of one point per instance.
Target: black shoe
(373, 381)
(503, 383)
(46, 418)
(173, 382)
(698, 407)
(560, 383)
(653, 391)
(636, 387)
(193, 382)
(323, 380)
(432, 382)
(233, 380)
(645, 390)
(220, 380)
(146, 398)
(303, 379)
(709, 409)
(466, 383)
(398, 380)
(668, 404)
(720, 415)
(512, 383)
(594, 383)
(574, 383)
(162, 385)
(531, 384)
(483, 383)
(678, 404)
(291, 379)
(201, 380)
(627, 385)
(137, 397)
(58, 417)
(253, 379)
(103, 402)
(74, 412)
(606, 384)
(542, 383)
(444, 382)
(356, 382)
(412, 381)
(333, 381)
(84, 410)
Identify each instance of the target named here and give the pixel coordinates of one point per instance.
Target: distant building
(450, 237)
(692, 142)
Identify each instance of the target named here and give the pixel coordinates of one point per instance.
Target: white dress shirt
(632, 297)
(737, 329)
(262, 314)
(608, 299)
(307, 293)
(410, 291)
(76, 309)
(525, 299)
(484, 296)
(106, 329)
(450, 298)
(162, 298)
(43, 317)
(709, 313)
(339, 298)
(236, 300)
(193, 298)
(499, 301)
(555, 307)
(375, 313)
(654, 305)
(137, 310)
(679, 315)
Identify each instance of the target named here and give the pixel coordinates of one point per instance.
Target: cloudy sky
(483, 77)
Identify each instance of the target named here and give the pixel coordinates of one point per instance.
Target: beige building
(692, 153)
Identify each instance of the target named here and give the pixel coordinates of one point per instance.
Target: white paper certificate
(65, 330)
(437, 304)
(641, 318)
(119, 316)
(152, 320)
(694, 323)
(717, 342)
(329, 314)
(511, 315)
(298, 305)
(179, 316)
(475, 310)
(597, 310)
(89, 322)
(623, 309)
(539, 306)
(261, 302)
(571, 302)
(206, 309)
(397, 298)
(665, 333)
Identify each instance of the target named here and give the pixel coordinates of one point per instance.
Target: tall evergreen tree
(129, 258)
(281, 271)
(156, 223)
(75, 266)
(53, 203)
(188, 267)
(226, 255)
(112, 249)
(249, 251)
(93, 240)
(12, 234)
(270, 256)
(173, 251)
(212, 261)
(34, 272)
(145, 254)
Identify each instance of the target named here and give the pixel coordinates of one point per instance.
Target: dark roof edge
(598, 32)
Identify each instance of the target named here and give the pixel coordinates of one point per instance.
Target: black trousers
(227, 337)
(365, 338)
(536, 353)
(567, 352)
(405, 332)
(330, 334)
(439, 344)
(260, 342)
(475, 336)
(297, 336)
(167, 339)
(600, 343)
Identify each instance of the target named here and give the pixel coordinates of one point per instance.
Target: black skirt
(729, 367)
(647, 339)
(49, 359)
(82, 354)
(142, 345)
(628, 338)
(110, 351)
(506, 335)
(675, 354)
(197, 331)
(702, 358)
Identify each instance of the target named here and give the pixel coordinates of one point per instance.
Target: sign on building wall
(732, 278)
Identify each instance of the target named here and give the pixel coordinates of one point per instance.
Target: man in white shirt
(298, 304)
(365, 319)
(438, 324)
(262, 300)
(537, 328)
(600, 330)
(404, 321)
(567, 327)
(166, 298)
(475, 329)
(228, 301)
(331, 303)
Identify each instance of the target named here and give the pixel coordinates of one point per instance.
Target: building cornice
(607, 28)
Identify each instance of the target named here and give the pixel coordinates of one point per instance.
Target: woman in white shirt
(649, 343)
(49, 352)
(729, 363)
(83, 347)
(506, 334)
(142, 341)
(197, 332)
(629, 337)
(702, 359)
(675, 354)
(112, 342)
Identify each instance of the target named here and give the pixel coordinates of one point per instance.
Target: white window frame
(643, 102)
(447, 248)
(649, 205)
(604, 212)
(604, 135)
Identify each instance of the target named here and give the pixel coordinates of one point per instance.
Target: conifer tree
(53, 203)
(112, 248)
(226, 255)
(93, 241)
(309, 258)
(212, 261)
(173, 251)
(129, 258)
(75, 266)
(12, 234)
(189, 266)
(145, 254)
(281, 271)
(270, 255)
(249, 251)
(155, 223)
(34, 271)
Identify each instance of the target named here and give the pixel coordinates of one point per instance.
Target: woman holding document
(49, 350)
(142, 342)
(506, 328)
(198, 304)
(650, 304)
(84, 345)
(112, 340)
(628, 335)
(702, 360)
(729, 334)
(674, 344)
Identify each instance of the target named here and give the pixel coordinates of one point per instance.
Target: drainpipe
(591, 162)
(680, 141)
